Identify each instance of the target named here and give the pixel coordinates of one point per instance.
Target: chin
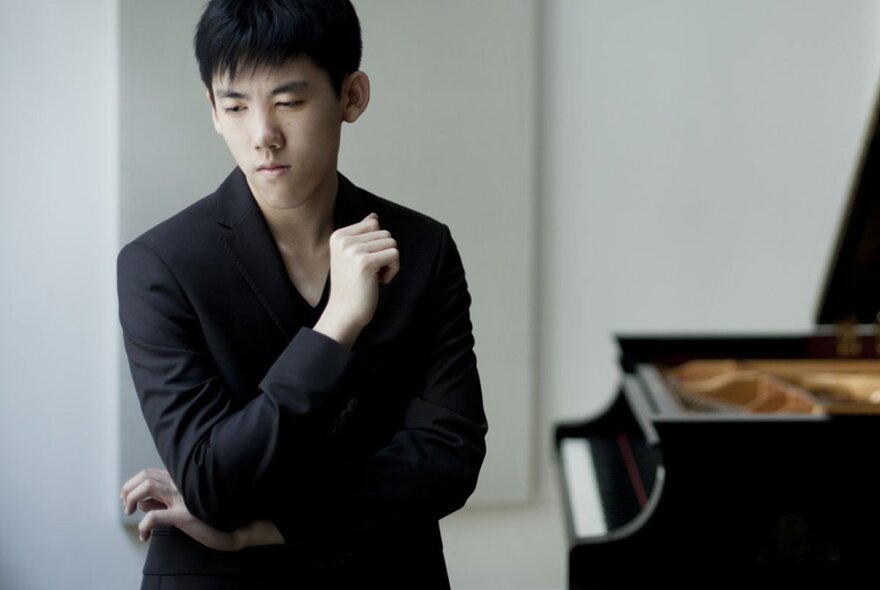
(281, 203)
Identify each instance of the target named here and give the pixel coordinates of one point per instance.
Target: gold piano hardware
(793, 386)
(848, 343)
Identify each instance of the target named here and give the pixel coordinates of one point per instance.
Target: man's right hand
(154, 492)
(361, 256)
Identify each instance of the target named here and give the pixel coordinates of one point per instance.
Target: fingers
(374, 249)
(367, 233)
(390, 270)
(378, 244)
(149, 473)
(178, 516)
(151, 521)
(154, 492)
(148, 490)
(369, 237)
(362, 256)
(367, 224)
(166, 517)
(150, 504)
(386, 264)
(365, 230)
(148, 487)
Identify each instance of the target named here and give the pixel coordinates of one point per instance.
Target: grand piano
(734, 461)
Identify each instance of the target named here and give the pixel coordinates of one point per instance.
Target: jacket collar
(237, 203)
(250, 244)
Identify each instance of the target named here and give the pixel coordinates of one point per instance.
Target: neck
(307, 225)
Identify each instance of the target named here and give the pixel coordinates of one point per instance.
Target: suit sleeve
(221, 456)
(431, 465)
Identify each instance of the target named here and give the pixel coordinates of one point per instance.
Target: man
(301, 348)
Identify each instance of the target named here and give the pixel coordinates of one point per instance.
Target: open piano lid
(852, 286)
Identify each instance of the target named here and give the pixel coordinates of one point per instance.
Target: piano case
(750, 459)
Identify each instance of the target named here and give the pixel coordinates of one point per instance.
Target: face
(283, 127)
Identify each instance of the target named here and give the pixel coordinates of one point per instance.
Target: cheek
(330, 133)
(235, 144)
(314, 140)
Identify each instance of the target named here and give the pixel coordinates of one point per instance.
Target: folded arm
(228, 460)
(431, 464)
(153, 491)
(221, 455)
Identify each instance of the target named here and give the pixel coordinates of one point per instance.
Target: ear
(355, 96)
(214, 116)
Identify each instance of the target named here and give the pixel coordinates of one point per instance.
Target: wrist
(245, 536)
(257, 533)
(241, 538)
(333, 325)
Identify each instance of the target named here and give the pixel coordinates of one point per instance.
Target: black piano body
(750, 496)
(667, 484)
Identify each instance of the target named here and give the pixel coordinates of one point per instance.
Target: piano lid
(852, 286)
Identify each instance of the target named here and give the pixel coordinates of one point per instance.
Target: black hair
(236, 34)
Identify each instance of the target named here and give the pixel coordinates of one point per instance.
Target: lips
(273, 170)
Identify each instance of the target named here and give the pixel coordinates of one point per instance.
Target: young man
(301, 348)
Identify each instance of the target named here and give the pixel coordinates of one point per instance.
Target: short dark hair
(236, 34)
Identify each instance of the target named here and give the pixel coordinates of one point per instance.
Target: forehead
(300, 72)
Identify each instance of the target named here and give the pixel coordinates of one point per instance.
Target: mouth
(273, 170)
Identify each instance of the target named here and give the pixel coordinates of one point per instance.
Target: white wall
(58, 506)
(666, 127)
(696, 160)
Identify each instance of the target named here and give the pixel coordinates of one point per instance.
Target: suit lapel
(350, 205)
(249, 243)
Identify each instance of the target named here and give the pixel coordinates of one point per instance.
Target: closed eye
(291, 103)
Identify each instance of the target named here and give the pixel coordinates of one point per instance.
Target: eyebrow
(292, 86)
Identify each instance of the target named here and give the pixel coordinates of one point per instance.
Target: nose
(267, 133)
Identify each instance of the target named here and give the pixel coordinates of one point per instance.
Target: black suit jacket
(354, 455)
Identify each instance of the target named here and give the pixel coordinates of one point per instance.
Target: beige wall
(437, 137)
